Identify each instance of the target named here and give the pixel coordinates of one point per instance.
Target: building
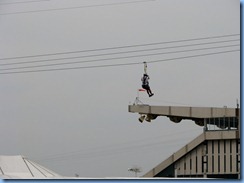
(19, 167)
(213, 154)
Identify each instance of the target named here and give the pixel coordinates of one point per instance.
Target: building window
(190, 164)
(230, 163)
(218, 146)
(212, 147)
(230, 146)
(237, 163)
(212, 163)
(206, 146)
(218, 163)
(224, 163)
(196, 164)
(237, 146)
(224, 146)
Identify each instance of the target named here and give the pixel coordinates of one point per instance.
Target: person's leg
(150, 92)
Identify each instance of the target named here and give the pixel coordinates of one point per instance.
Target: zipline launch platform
(221, 117)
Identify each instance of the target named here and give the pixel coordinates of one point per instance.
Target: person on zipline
(145, 84)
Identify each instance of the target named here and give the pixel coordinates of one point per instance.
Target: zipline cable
(119, 47)
(75, 7)
(116, 65)
(22, 2)
(114, 58)
(123, 52)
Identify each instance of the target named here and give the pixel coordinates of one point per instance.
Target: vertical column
(176, 169)
(205, 159)
(227, 144)
(187, 161)
(210, 157)
(234, 160)
(221, 154)
(238, 158)
(215, 155)
(182, 167)
(193, 161)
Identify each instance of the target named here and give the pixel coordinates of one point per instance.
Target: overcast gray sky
(76, 121)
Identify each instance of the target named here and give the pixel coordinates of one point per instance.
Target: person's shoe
(151, 95)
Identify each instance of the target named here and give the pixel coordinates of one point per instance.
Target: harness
(145, 80)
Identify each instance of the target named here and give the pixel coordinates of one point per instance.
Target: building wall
(213, 157)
